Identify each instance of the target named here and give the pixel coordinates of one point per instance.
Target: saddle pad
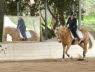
(9, 37)
(28, 34)
(80, 34)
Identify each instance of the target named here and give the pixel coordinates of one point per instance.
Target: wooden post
(46, 31)
(1, 19)
(41, 34)
(18, 11)
(72, 5)
(79, 21)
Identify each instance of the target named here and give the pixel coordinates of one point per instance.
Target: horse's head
(59, 32)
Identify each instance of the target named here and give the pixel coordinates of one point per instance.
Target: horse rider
(72, 21)
(21, 26)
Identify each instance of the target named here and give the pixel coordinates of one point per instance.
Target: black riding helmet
(72, 14)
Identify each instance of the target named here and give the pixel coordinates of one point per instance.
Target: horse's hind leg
(81, 44)
(85, 50)
(84, 46)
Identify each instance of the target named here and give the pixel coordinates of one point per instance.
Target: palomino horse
(63, 34)
(16, 36)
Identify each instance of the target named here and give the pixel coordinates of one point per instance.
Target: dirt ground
(56, 65)
(59, 65)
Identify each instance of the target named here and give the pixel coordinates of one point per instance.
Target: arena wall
(41, 50)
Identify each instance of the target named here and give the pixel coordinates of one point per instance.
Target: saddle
(79, 33)
(28, 34)
(80, 36)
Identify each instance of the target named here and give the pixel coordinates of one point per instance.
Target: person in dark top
(72, 21)
(21, 26)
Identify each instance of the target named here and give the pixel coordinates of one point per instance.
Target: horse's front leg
(68, 47)
(64, 47)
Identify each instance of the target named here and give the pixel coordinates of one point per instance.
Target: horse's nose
(59, 40)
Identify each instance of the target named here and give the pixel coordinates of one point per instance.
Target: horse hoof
(71, 57)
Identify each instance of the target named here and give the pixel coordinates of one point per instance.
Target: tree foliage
(88, 6)
(56, 6)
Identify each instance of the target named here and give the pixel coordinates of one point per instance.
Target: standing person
(21, 26)
(72, 21)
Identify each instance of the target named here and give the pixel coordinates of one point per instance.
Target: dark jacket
(72, 23)
(21, 25)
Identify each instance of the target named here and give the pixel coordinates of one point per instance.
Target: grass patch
(89, 22)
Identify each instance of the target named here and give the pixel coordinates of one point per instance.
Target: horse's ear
(61, 27)
(56, 29)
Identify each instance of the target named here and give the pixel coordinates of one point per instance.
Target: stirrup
(79, 40)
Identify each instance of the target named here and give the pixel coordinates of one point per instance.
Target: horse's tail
(91, 41)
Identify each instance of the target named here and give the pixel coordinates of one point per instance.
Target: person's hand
(16, 30)
(66, 25)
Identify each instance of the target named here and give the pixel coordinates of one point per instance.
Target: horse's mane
(63, 29)
(10, 29)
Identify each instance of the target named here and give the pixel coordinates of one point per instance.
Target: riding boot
(79, 40)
